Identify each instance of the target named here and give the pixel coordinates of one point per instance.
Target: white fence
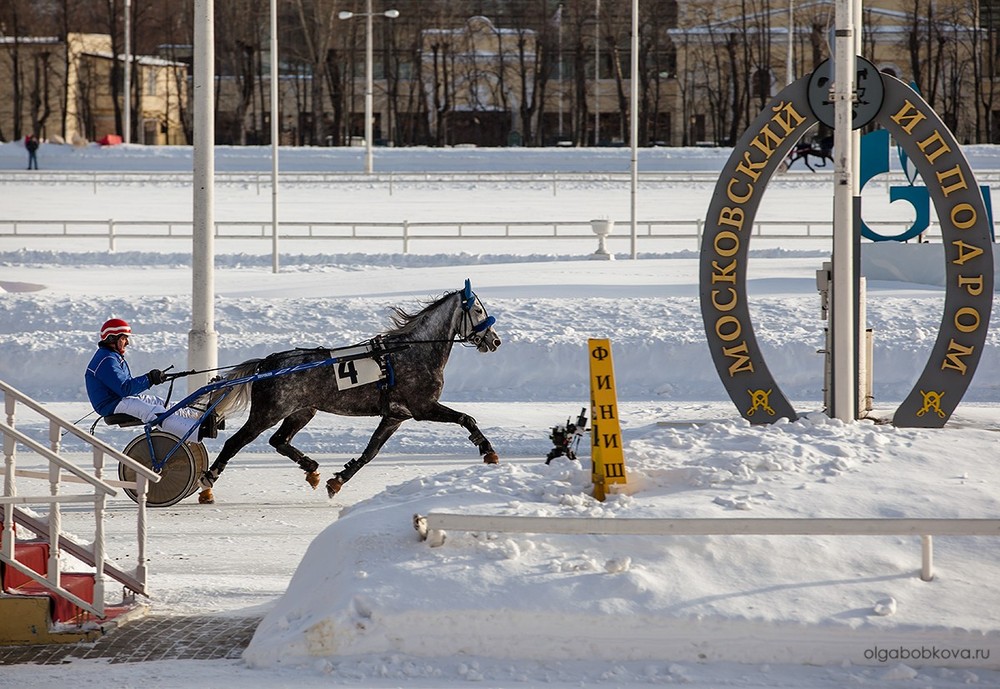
(261, 180)
(433, 527)
(388, 181)
(653, 235)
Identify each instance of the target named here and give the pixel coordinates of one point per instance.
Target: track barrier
(433, 526)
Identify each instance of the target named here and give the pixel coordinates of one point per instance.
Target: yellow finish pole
(608, 460)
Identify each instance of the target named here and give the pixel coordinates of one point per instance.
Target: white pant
(146, 407)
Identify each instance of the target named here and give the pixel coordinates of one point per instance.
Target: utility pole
(203, 347)
(843, 309)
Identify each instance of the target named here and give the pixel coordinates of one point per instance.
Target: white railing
(650, 233)
(261, 180)
(388, 181)
(61, 472)
(433, 527)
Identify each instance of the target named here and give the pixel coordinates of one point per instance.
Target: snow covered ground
(351, 595)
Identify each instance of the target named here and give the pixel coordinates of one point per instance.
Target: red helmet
(115, 326)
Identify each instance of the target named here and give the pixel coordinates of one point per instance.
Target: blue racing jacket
(109, 380)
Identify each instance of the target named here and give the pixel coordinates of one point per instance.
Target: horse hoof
(334, 485)
(491, 458)
(312, 478)
(205, 497)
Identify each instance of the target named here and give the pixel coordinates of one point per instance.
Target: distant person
(31, 143)
(826, 146)
(112, 389)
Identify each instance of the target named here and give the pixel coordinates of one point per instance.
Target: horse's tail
(237, 397)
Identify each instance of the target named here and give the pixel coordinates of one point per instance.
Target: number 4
(347, 369)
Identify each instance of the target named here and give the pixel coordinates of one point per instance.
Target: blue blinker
(490, 320)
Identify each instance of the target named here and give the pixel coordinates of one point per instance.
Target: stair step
(79, 584)
(111, 613)
(32, 554)
(27, 621)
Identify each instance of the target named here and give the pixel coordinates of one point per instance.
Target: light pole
(275, 133)
(633, 117)
(790, 54)
(127, 124)
(559, 12)
(203, 340)
(597, 72)
(391, 14)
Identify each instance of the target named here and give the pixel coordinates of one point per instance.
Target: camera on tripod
(566, 438)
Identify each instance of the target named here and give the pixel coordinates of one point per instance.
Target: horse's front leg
(386, 427)
(441, 413)
(282, 439)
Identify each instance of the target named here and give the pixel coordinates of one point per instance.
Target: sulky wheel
(178, 478)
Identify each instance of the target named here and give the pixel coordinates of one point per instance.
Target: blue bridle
(468, 301)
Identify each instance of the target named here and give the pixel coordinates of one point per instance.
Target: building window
(151, 76)
(989, 14)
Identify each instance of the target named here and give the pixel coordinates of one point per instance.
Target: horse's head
(476, 326)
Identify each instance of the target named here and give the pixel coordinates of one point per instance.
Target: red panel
(33, 555)
(80, 585)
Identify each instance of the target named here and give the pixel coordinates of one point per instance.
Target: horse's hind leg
(386, 427)
(253, 427)
(281, 441)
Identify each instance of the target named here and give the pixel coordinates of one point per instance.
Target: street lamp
(391, 14)
(127, 124)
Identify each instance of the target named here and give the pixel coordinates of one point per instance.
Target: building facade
(60, 90)
(536, 73)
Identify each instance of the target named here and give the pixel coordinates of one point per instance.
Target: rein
(468, 302)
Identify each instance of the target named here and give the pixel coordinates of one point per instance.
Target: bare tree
(616, 21)
(534, 56)
(657, 63)
(237, 52)
(12, 26)
(582, 29)
(410, 109)
(113, 12)
(442, 87)
(316, 22)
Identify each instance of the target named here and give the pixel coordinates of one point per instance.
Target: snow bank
(368, 586)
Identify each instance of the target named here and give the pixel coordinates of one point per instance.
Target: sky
(349, 594)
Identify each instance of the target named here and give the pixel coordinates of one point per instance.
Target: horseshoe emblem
(968, 257)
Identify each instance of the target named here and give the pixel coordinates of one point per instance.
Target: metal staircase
(52, 583)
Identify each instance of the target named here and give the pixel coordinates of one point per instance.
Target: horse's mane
(403, 321)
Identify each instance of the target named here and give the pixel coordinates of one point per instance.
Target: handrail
(262, 180)
(83, 435)
(83, 554)
(51, 529)
(432, 527)
(407, 231)
(53, 457)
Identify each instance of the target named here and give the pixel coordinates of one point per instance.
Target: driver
(112, 389)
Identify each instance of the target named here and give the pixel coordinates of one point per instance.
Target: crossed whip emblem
(759, 399)
(932, 402)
